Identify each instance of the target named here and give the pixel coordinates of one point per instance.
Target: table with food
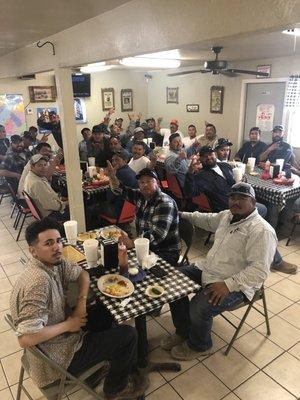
(136, 293)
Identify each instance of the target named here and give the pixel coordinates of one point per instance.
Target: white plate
(104, 232)
(153, 295)
(103, 281)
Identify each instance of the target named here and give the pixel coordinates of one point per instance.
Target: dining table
(175, 283)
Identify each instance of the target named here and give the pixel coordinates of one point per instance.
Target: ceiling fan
(217, 67)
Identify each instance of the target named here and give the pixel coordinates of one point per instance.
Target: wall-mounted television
(81, 85)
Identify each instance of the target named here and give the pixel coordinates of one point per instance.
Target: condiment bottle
(123, 259)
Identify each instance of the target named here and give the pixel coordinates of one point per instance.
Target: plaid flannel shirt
(156, 219)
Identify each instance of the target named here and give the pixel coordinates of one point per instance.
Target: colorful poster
(12, 114)
(265, 117)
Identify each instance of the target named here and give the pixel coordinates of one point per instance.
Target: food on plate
(115, 286)
(155, 291)
(87, 235)
(111, 233)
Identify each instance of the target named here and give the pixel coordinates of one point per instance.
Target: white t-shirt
(218, 170)
(188, 142)
(139, 164)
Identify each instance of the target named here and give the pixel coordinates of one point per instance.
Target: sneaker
(184, 353)
(135, 387)
(168, 342)
(285, 267)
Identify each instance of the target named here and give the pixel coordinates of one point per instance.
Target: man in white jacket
(235, 267)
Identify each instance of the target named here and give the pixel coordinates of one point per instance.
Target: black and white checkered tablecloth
(176, 286)
(275, 194)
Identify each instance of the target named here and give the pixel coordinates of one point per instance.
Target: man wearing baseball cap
(166, 132)
(222, 149)
(176, 161)
(278, 149)
(236, 267)
(156, 213)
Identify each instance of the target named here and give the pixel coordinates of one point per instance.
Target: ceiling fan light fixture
(292, 31)
(144, 62)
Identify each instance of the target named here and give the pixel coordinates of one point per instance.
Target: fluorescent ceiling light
(144, 62)
(95, 67)
(293, 32)
(169, 55)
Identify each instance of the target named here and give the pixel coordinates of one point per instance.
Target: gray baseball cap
(243, 188)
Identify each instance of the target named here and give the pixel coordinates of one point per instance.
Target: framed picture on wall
(172, 95)
(216, 99)
(126, 100)
(42, 94)
(108, 98)
(192, 107)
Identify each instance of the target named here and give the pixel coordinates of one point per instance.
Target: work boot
(183, 352)
(168, 342)
(285, 267)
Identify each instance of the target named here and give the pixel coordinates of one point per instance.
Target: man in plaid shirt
(156, 213)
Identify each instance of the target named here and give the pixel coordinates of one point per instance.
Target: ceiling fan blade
(243, 71)
(230, 74)
(186, 72)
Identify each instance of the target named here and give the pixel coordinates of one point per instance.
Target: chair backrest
(186, 233)
(162, 176)
(127, 213)
(202, 202)
(13, 193)
(32, 207)
(174, 186)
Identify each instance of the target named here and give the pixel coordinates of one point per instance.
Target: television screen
(81, 85)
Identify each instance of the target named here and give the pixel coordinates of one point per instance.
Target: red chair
(30, 203)
(127, 214)
(162, 177)
(175, 189)
(202, 203)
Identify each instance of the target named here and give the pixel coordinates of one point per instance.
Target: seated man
(236, 266)
(253, 148)
(209, 138)
(14, 162)
(28, 142)
(98, 146)
(156, 213)
(167, 132)
(114, 203)
(176, 161)
(82, 146)
(139, 161)
(223, 150)
(115, 145)
(278, 149)
(39, 313)
(152, 130)
(4, 143)
(39, 189)
(189, 140)
(138, 136)
(215, 180)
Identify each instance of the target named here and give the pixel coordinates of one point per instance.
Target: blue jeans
(193, 321)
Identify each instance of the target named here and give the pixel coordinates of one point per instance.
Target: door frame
(244, 98)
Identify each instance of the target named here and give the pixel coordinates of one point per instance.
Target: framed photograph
(108, 98)
(172, 95)
(216, 99)
(79, 110)
(126, 100)
(264, 68)
(42, 94)
(192, 107)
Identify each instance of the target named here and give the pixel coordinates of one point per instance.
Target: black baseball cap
(147, 172)
(278, 128)
(222, 142)
(205, 149)
(15, 139)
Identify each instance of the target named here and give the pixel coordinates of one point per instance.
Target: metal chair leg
(237, 331)
(291, 234)
(13, 210)
(21, 227)
(21, 377)
(266, 311)
(17, 220)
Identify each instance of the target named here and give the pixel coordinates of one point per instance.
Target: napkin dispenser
(109, 253)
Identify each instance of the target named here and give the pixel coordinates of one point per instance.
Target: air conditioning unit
(27, 77)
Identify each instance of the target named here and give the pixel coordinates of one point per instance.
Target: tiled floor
(257, 368)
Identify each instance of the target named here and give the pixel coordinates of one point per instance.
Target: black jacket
(214, 186)
(247, 150)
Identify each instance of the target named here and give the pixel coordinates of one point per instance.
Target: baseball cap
(174, 121)
(223, 142)
(138, 129)
(16, 138)
(205, 149)
(147, 172)
(150, 119)
(119, 119)
(242, 188)
(278, 128)
(36, 158)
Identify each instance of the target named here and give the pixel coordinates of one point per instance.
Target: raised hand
(110, 170)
